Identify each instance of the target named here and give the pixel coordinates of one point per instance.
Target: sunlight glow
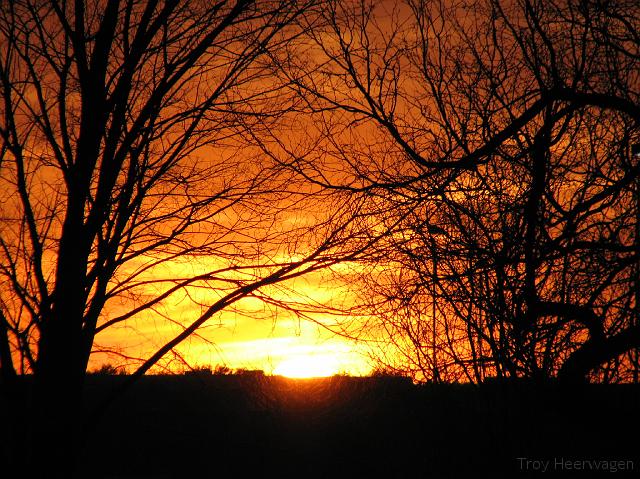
(312, 366)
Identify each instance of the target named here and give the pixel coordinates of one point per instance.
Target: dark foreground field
(252, 426)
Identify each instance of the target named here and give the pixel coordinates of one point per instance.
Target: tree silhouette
(492, 139)
(128, 186)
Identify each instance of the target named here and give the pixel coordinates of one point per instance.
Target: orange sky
(250, 335)
(276, 344)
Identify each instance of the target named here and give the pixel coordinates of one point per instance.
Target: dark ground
(204, 426)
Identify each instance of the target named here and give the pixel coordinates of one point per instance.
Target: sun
(312, 366)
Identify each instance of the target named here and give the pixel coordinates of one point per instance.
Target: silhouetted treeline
(232, 426)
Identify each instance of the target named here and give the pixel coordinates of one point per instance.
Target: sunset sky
(185, 192)
(249, 335)
(277, 345)
(207, 205)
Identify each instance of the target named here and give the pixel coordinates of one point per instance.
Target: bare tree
(493, 141)
(127, 186)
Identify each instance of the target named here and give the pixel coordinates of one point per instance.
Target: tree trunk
(55, 405)
(53, 436)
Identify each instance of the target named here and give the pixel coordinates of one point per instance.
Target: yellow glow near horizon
(248, 336)
(311, 366)
(301, 352)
